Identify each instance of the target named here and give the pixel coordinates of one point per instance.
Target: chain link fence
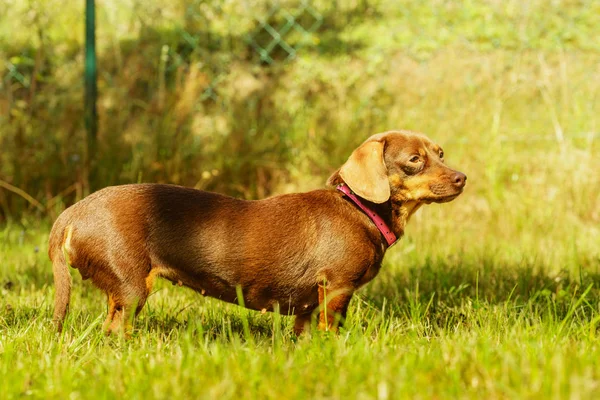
(179, 84)
(214, 33)
(273, 33)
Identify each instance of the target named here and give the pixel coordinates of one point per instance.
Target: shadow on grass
(446, 290)
(443, 291)
(209, 324)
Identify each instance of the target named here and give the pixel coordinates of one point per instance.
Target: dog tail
(58, 251)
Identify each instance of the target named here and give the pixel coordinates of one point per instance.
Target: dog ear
(335, 178)
(365, 172)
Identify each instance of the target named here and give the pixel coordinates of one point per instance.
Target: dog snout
(459, 180)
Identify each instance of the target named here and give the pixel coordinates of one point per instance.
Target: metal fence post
(91, 89)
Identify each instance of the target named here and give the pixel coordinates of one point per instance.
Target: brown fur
(294, 250)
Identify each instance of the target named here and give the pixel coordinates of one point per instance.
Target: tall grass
(466, 325)
(495, 295)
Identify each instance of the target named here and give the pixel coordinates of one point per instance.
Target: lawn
(454, 313)
(494, 295)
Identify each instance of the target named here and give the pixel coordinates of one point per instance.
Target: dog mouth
(448, 198)
(443, 193)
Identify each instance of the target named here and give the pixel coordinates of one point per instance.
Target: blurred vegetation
(510, 88)
(494, 295)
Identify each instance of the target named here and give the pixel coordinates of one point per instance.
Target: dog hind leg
(112, 310)
(122, 310)
(126, 300)
(301, 322)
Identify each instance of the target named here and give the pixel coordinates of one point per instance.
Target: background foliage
(185, 98)
(494, 295)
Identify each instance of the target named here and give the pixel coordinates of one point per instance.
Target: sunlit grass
(454, 313)
(495, 295)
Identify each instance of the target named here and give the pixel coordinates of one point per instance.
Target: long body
(299, 253)
(275, 250)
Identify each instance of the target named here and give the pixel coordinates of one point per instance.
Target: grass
(449, 316)
(495, 295)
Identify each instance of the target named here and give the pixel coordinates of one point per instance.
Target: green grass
(449, 316)
(495, 295)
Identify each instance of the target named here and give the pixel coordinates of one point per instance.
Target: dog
(303, 254)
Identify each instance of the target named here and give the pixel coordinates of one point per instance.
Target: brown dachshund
(303, 253)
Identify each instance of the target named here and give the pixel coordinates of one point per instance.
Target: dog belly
(291, 298)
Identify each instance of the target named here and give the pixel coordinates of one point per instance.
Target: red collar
(385, 230)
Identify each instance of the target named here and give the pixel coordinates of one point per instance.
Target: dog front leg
(333, 305)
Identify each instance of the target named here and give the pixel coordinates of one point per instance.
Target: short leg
(124, 307)
(122, 321)
(333, 305)
(112, 309)
(301, 323)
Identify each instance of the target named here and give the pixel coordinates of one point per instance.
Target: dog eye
(441, 153)
(415, 159)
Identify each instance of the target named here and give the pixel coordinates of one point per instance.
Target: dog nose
(459, 179)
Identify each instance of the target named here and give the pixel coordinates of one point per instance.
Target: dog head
(402, 166)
